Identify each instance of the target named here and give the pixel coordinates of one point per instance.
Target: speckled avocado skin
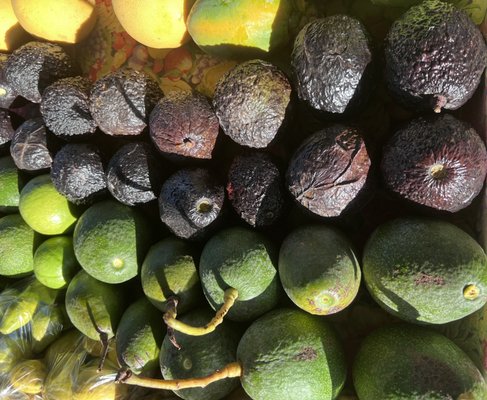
(435, 56)
(329, 61)
(431, 367)
(417, 269)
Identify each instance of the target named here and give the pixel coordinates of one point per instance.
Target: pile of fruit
(308, 232)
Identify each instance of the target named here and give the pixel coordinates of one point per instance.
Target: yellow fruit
(163, 25)
(12, 35)
(66, 21)
(28, 376)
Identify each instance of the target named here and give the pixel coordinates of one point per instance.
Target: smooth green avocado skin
(200, 356)
(245, 260)
(408, 362)
(418, 268)
(319, 270)
(290, 354)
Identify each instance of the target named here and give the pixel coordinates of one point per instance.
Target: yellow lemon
(164, 21)
(65, 21)
(12, 35)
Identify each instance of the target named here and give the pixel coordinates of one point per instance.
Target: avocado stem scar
(232, 370)
(170, 315)
(471, 292)
(438, 171)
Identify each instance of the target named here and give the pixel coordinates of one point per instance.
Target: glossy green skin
(417, 269)
(10, 185)
(17, 245)
(218, 26)
(431, 367)
(290, 354)
(139, 337)
(200, 356)
(245, 260)
(86, 295)
(319, 270)
(169, 269)
(110, 240)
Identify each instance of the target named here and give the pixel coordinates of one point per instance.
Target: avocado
(253, 103)
(134, 174)
(318, 269)
(328, 172)
(139, 337)
(7, 92)
(289, 354)
(184, 123)
(28, 377)
(200, 356)
(435, 56)
(65, 107)
(410, 362)
(47, 324)
(425, 271)
(121, 101)
(34, 66)
(256, 189)
(11, 183)
(437, 161)
(245, 260)
(32, 148)
(191, 202)
(6, 128)
(331, 63)
(13, 349)
(169, 271)
(77, 172)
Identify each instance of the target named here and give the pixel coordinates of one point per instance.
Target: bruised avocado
(331, 61)
(439, 162)
(252, 102)
(435, 56)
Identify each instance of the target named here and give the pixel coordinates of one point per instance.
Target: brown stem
(232, 370)
(104, 344)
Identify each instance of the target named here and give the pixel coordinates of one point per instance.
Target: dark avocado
(31, 148)
(190, 201)
(184, 123)
(252, 102)
(65, 107)
(77, 173)
(331, 62)
(256, 189)
(133, 174)
(439, 162)
(122, 101)
(329, 171)
(34, 66)
(434, 56)
(7, 93)
(6, 129)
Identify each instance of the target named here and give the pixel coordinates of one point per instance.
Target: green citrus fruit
(17, 245)
(9, 185)
(46, 210)
(110, 241)
(55, 263)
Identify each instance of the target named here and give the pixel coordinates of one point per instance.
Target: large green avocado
(407, 362)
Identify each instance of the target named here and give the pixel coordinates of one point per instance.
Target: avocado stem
(105, 344)
(170, 315)
(471, 292)
(232, 370)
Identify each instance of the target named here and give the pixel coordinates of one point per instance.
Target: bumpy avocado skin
(7, 92)
(253, 103)
(34, 66)
(424, 144)
(290, 354)
(200, 356)
(431, 367)
(331, 61)
(435, 56)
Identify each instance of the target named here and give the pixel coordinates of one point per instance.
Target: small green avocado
(400, 361)
(139, 337)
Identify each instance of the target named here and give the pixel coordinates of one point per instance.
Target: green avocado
(406, 362)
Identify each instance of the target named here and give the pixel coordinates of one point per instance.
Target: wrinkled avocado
(34, 66)
(65, 107)
(122, 101)
(6, 129)
(7, 92)
(331, 62)
(435, 56)
(439, 162)
(253, 103)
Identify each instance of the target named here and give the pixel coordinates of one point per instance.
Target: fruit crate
(110, 48)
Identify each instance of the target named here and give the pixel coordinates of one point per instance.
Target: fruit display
(243, 200)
